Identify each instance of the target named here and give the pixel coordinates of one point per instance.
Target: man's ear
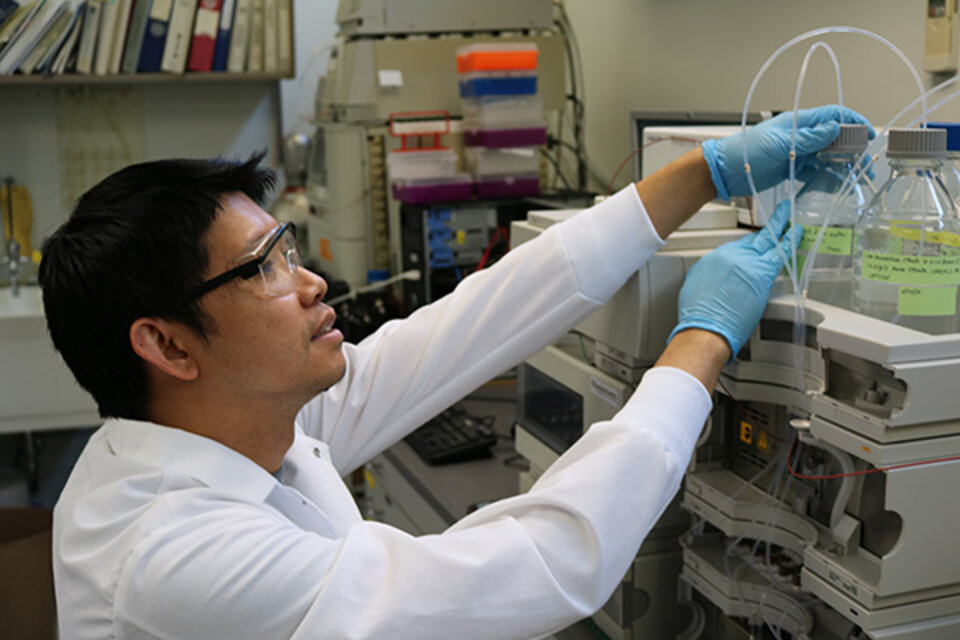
(160, 343)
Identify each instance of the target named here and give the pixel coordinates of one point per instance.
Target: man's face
(263, 346)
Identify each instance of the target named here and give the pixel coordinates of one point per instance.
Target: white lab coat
(161, 533)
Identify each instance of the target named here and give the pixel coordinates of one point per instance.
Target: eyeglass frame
(247, 270)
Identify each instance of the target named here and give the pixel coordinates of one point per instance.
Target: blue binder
(154, 39)
(222, 48)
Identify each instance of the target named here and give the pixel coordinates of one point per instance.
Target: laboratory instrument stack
(832, 201)
(422, 170)
(907, 258)
(503, 124)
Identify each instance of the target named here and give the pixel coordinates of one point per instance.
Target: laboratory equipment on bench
(827, 208)
(355, 226)
(588, 376)
(907, 260)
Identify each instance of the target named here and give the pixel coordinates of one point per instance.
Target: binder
(239, 37)
(204, 41)
(155, 36)
(271, 50)
(139, 14)
(93, 9)
(119, 35)
(255, 48)
(179, 34)
(222, 47)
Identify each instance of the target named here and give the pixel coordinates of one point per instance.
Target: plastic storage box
(497, 57)
(504, 83)
(498, 162)
(507, 186)
(450, 189)
(496, 138)
(421, 164)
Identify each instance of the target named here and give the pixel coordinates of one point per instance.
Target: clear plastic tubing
(907, 260)
(816, 33)
(828, 220)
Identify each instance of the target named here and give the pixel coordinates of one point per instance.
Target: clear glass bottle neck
(912, 165)
(838, 157)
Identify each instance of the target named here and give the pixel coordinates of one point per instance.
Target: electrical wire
(640, 149)
(557, 171)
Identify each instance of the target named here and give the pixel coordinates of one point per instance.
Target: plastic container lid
(506, 83)
(917, 143)
(497, 57)
(853, 138)
(953, 133)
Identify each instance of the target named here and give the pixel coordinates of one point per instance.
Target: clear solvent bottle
(837, 196)
(907, 252)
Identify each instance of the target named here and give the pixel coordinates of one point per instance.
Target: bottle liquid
(832, 269)
(907, 252)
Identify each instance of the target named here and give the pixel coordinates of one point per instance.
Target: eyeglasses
(276, 261)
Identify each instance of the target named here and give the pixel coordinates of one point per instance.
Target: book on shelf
(7, 8)
(255, 47)
(271, 53)
(34, 27)
(155, 36)
(13, 22)
(119, 36)
(204, 39)
(285, 36)
(51, 34)
(222, 46)
(139, 14)
(240, 38)
(67, 53)
(179, 33)
(73, 20)
(87, 52)
(109, 15)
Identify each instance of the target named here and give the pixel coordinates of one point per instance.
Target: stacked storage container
(503, 124)
(421, 175)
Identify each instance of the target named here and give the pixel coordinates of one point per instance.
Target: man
(210, 503)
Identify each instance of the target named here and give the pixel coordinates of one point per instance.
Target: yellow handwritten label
(948, 238)
(927, 301)
(836, 241)
(925, 270)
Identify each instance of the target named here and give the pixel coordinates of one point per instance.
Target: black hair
(131, 248)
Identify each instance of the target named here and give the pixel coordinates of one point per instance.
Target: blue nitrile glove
(768, 149)
(726, 291)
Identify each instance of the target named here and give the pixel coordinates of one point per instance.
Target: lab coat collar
(208, 461)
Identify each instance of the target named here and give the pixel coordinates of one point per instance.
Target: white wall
(703, 55)
(58, 141)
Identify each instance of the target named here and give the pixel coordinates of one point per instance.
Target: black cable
(556, 168)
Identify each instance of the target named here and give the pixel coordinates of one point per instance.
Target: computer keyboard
(452, 436)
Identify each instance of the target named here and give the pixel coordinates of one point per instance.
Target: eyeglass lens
(280, 270)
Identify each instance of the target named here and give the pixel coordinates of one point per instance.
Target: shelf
(139, 78)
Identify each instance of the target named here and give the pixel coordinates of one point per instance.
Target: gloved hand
(726, 291)
(768, 149)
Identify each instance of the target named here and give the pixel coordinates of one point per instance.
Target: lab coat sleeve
(410, 370)
(519, 568)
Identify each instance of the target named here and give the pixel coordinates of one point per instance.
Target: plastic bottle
(951, 167)
(832, 269)
(907, 254)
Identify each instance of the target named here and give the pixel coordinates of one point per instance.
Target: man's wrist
(699, 352)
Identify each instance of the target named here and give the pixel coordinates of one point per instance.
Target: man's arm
(677, 191)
